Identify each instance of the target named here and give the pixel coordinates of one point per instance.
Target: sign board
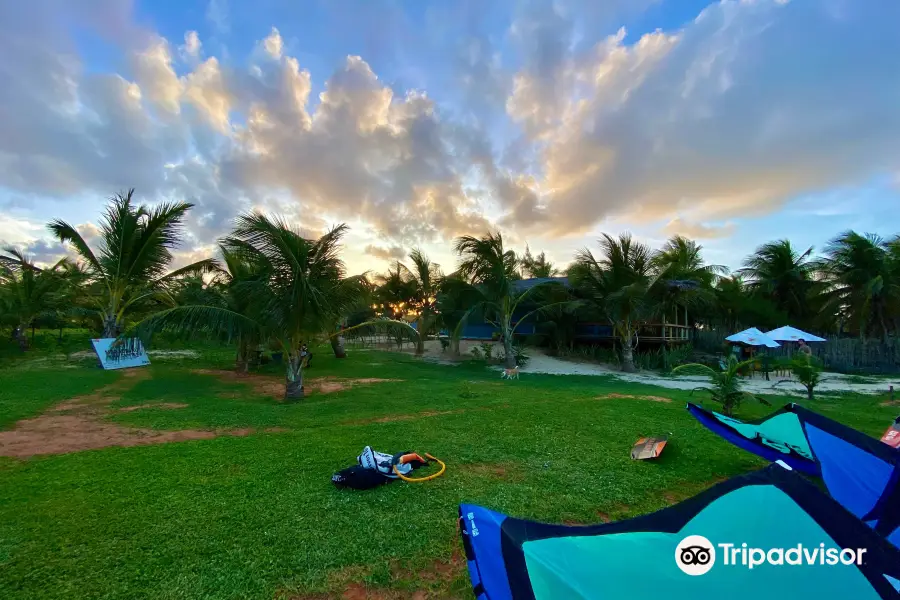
(891, 437)
(650, 447)
(120, 354)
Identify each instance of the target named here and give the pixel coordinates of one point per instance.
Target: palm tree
(28, 292)
(487, 275)
(682, 259)
(687, 281)
(425, 280)
(537, 266)
(725, 385)
(779, 272)
(864, 279)
(129, 268)
(300, 293)
(620, 284)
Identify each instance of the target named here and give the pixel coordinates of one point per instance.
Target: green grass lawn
(256, 516)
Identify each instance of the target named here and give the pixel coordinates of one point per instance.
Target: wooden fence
(844, 355)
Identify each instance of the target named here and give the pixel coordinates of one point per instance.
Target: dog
(510, 373)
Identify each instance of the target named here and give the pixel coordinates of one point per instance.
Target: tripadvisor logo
(696, 555)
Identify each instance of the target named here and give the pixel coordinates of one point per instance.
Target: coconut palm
(28, 292)
(786, 276)
(537, 266)
(300, 293)
(687, 282)
(620, 284)
(682, 259)
(130, 266)
(425, 280)
(864, 279)
(725, 385)
(487, 277)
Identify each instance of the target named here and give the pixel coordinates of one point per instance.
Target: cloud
(273, 44)
(732, 116)
(698, 230)
(217, 15)
(190, 50)
(388, 254)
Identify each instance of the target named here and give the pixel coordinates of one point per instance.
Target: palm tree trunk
(337, 346)
(454, 346)
(110, 328)
(420, 341)
(628, 352)
(294, 380)
(21, 338)
(241, 365)
(509, 361)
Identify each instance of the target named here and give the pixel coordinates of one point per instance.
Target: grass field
(250, 511)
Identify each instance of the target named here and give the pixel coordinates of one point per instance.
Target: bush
(808, 370)
(445, 343)
(521, 357)
(487, 349)
(477, 353)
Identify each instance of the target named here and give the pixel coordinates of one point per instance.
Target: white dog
(510, 373)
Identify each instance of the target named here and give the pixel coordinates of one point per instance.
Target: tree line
(272, 285)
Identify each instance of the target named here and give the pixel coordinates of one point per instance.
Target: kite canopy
(860, 472)
(792, 334)
(753, 337)
(513, 559)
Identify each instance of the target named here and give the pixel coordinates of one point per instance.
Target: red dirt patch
(160, 405)
(84, 427)
(890, 403)
(509, 471)
(632, 397)
(607, 517)
(274, 386)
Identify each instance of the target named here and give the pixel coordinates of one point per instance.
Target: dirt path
(80, 424)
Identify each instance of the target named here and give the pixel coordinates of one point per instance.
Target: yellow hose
(420, 479)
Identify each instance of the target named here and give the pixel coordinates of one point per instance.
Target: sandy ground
(541, 363)
(831, 382)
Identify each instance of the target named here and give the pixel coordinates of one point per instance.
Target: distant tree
(537, 266)
(779, 272)
(487, 276)
(28, 293)
(864, 276)
(619, 284)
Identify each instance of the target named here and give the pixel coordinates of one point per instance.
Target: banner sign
(120, 354)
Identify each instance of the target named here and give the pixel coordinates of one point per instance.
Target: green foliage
(445, 343)
(128, 272)
(467, 390)
(725, 385)
(521, 354)
(808, 371)
(487, 349)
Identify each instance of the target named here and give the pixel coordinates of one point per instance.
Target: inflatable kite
(741, 521)
(860, 472)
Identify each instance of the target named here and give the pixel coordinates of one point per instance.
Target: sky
(415, 121)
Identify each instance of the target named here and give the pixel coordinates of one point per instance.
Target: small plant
(445, 343)
(467, 390)
(477, 353)
(808, 371)
(487, 350)
(726, 384)
(521, 357)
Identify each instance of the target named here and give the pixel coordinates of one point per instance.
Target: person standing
(803, 348)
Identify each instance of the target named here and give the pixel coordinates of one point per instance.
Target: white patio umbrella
(792, 334)
(753, 337)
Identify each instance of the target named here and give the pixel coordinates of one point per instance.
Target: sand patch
(633, 397)
(159, 405)
(79, 424)
(274, 386)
